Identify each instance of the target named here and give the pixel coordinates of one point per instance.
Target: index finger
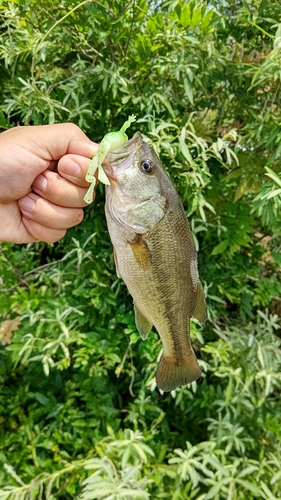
(74, 168)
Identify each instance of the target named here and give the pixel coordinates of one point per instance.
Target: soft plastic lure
(110, 142)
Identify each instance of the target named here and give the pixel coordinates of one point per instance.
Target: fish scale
(172, 285)
(155, 256)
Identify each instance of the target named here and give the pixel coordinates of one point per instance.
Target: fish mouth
(121, 158)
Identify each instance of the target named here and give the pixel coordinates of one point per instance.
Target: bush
(80, 413)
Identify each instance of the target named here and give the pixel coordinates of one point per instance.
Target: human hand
(42, 181)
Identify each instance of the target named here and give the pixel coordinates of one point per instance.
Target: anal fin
(200, 310)
(143, 325)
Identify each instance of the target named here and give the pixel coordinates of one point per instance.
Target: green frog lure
(110, 142)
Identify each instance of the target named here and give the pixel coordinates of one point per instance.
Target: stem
(262, 30)
(62, 19)
(59, 21)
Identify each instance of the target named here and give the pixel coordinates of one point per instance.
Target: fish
(155, 255)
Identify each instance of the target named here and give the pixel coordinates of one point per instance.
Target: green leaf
(273, 176)
(41, 398)
(274, 193)
(220, 247)
(188, 90)
(166, 103)
(277, 257)
(207, 19)
(268, 493)
(196, 16)
(216, 489)
(249, 486)
(185, 15)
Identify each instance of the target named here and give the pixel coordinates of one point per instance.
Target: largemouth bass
(155, 255)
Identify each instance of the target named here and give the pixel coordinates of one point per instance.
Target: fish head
(135, 197)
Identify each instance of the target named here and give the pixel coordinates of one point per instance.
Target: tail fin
(172, 372)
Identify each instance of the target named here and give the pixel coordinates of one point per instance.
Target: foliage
(80, 413)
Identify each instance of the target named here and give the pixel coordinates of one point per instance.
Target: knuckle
(73, 129)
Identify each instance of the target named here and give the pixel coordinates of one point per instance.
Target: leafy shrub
(80, 413)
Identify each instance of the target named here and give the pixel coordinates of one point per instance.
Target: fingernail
(40, 183)
(26, 204)
(71, 168)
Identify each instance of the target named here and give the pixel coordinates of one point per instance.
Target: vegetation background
(80, 415)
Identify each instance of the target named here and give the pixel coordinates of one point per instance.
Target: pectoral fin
(200, 311)
(143, 325)
(141, 252)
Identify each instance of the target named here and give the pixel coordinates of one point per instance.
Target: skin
(42, 181)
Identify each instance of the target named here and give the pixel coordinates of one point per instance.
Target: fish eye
(147, 166)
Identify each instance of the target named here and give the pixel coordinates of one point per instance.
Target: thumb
(51, 142)
(29, 151)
